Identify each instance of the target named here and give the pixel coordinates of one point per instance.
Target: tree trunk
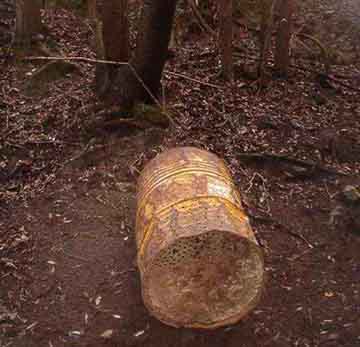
(92, 10)
(282, 52)
(28, 20)
(140, 82)
(116, 30)
(225, 38)
(267, 24)
(112, 35)
(101, 70)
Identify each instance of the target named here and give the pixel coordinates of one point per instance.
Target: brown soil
(67, 198)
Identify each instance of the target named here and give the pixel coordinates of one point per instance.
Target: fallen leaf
(98, 300)
(86, 318)
(139, 333)
(74, 333)
(31, 326)
(329, 294)
(107, 334)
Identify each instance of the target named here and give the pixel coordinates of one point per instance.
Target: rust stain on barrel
(186, 195)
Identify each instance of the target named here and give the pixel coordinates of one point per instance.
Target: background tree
(267, 24)
(225, 38)
(282, 51)
(28, 20)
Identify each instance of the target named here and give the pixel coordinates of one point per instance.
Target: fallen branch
(75, 257)
(313, 166)
(129, 122)
(192, 79)
(48, 142)
(83, 59)
(84, 151)
(101, 61)
(281, 227)
(110, 62)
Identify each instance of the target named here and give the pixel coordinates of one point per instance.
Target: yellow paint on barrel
(199, 261)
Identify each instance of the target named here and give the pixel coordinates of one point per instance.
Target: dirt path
(83, 278)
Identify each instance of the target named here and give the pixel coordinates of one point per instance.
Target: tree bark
(92, 10)
(150, 56)
(225, 38)
(28, 21)
(267, 24)
(282, 51)
(112, 40)
(116, 30)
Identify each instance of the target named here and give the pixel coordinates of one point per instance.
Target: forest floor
(68, 274)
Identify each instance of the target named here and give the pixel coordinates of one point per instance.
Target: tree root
(281, 227)
(305, 168)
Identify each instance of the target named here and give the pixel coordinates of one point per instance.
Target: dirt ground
(68, 184)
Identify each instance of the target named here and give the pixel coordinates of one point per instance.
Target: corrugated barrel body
(199, 261)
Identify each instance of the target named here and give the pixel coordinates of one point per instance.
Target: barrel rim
(233, 319)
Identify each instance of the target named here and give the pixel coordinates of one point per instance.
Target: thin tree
(28, 21)
(282, 51)
(267, 25)
(225, 38)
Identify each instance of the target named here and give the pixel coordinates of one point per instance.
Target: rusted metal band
(162, 213)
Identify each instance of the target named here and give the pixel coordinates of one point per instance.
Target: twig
(15, 145)
(76, 257)
(200, 19)
(106, 203)
(34, 142)
(78, 156)
(331, 196)
(251, 183)
(193, 79)
(101, 61)
(268, 219)
(145, 86)
(111, 62)
(304, 163)
(83, 59)
(6, 134)
(131, 122)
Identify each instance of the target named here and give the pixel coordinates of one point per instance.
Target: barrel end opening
(204, 281)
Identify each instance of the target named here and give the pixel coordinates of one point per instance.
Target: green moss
(152, 114)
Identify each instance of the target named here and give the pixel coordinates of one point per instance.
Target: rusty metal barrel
(199, 261)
